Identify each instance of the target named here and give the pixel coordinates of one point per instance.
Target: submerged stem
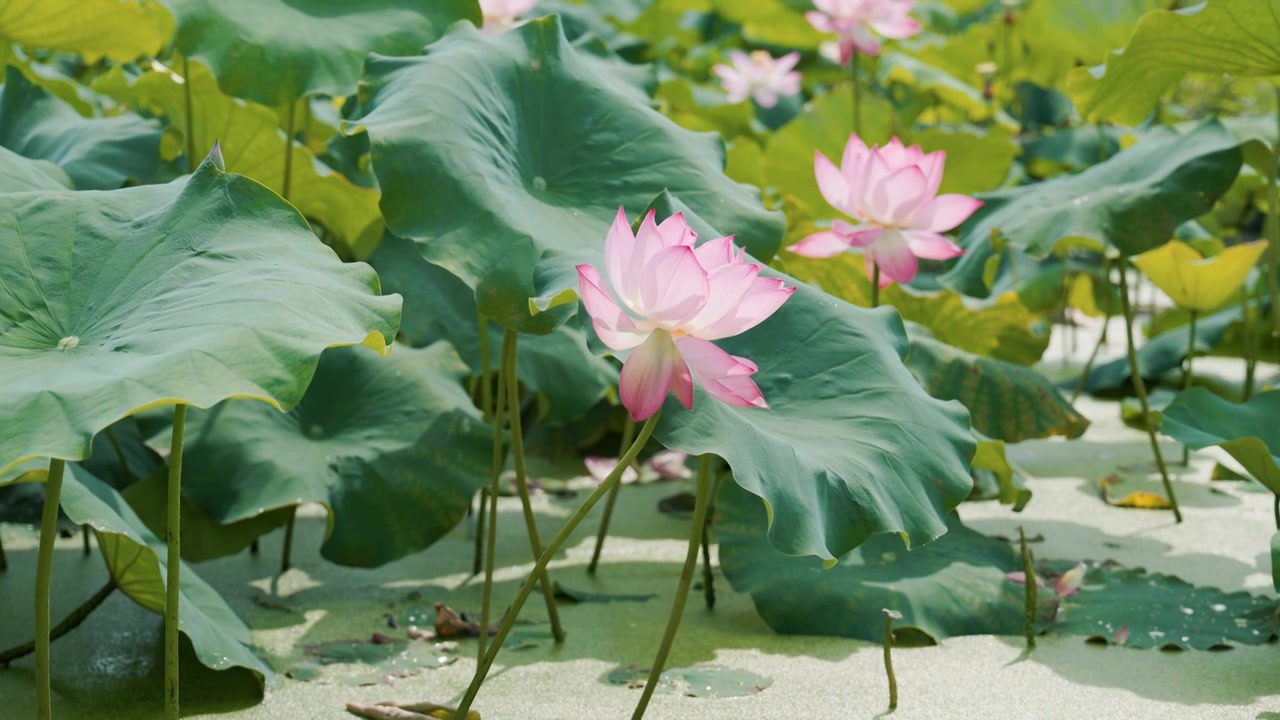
(703, 497)
(69, 623)
(510, 348)
(561, 537)
(1140, 387)
(628, 433)
(173, 538)
(44, 574)
(491, 538)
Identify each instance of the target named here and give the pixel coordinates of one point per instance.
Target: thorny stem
(561, 537)
(44, 572)
(1186, 379)
(491, 539)
(510, 348)
(696, 529)
(888, 659)
(173, 538)
(289, 115)
(628, 433)
(1029, 590)
(1102, 339)
(69, 623)
(1140, 387)
(191, 122)
(875, 284)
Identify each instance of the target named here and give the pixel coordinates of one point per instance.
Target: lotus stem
(1029, 590)
(889, 617)
(1273, 228)
(561, 537)
(1140, 387)
(857, 93)
(173, 538)
(491, 537)
(511, 343)
(875, 284)
(4, 561)
(44, 573)
(254, 547)
(628, 434)
(191, 116)
(1186, 379)
(69, 623)
(708, 572)
(286, 553)
(129, 477)
(1275, 509)
(696, 530)
(84, 541)
(486, 408)
(289, 114)
(1250, 350)
(1102, 339)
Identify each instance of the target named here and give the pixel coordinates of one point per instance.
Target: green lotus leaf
(1164, 352)
(196, 291)
(1060, 36)
(122, 30)
(830, 455)
(97, 154)
(684, 103)
(556, 141)
(1195, 282)
(779, 23)
(1224, 37)
(953, 586)
(994, 476)
(312, 47)
(1069, 150)
(1132, 202)
(393, 447)
(20, 174)
(1248, 431)
(136, 560)
(895, 66)
(439, 306)
(253, 145)
(1164, 611)
(1006, 401)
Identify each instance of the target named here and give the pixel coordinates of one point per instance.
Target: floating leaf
(569, 595)
(393, 447)
(122, 30)
(527, 188)
(120, 300)
(312, 47)
(136, 560)
(1197, 283)
(1247, 431)
(97, 154)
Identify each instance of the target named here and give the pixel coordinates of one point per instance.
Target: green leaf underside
(203, 289)
(136, 560)
(1247, 431)
(311, 46)
(393, 447)
(525, 188)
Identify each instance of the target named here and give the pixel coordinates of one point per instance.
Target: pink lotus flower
(500, 15)
(666, 301)
(759, 76)
(600, 467)
(857, 21)
(670, 465)
(892, 193)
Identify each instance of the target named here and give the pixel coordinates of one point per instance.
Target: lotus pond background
(315, 224)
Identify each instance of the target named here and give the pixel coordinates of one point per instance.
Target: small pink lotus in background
(666, 301)
(892, 193)
(670, 465)
(600, 467)
(858, 21)
(759, 76)
(500, 15)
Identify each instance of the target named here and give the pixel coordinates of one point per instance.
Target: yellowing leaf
(122, 30)
(1142, 501)
(1197, 283)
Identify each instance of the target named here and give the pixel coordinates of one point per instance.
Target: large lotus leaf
(394, 448)
(1062, 35)
(1165, 611)
(1195, 282)
(1163, 352)
(206, 288)
(312, 47)
(439, 306)
(1132, 202)
(1249, 432)
(779, 23)
(1003, 329)
(850, 446)
(953, 586)
(122, 30)
(529, 147)
(136, 560)
(253, 144)
(1224, 37)
(1006, 401)
(20, 174)
(98, 153)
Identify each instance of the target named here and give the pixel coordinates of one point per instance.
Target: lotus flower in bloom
(858, 21)
(666, 301)
(500, 15)
(759, 76)
(892, 193)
